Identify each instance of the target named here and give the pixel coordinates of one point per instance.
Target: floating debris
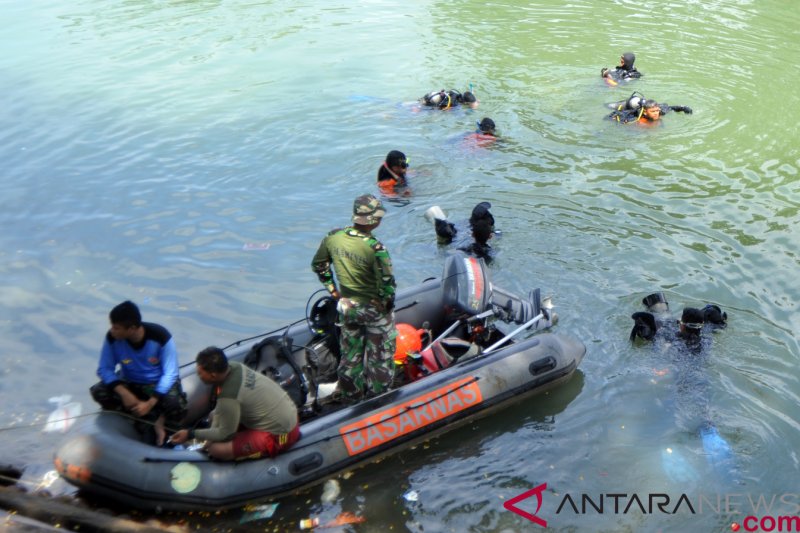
(64, 415)
(330, 491)
(309, 523)
(411, 496)
(342, 519)
(258, 512)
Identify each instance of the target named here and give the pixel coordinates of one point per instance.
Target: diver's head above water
(627, 60)
(691, 322)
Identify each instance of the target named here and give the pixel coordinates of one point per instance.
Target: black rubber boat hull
(105, 456)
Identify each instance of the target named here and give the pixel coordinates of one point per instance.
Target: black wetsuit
(688, 351)
(622, 73)
(482, 251)
(626, 71)
(625, 113)
(442, 99)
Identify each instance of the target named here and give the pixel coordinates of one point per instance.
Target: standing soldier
(365, 300)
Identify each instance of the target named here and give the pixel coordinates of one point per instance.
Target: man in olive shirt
(253, 417)
(365, 300)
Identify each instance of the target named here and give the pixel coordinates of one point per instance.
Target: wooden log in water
(67, 516)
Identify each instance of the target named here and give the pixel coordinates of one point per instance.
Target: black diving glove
(685, 108)
(644, 326)
(446, 231)
(712, 314)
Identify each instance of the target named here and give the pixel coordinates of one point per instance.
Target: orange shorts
(255, 444)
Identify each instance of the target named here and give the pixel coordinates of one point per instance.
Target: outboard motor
(468, 290)
(465, 285)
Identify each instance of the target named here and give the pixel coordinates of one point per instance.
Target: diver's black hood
(628, 58)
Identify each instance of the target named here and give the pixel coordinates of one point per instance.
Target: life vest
(387, 186)
(480, 140)
(388, 181)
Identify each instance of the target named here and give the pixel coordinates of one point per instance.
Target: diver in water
(446, 231)
(623, 72)
(449, 99)
(481, 223)
(486, 127)
(482, 231)
(687, 347)
(484, 136)
(658, 321)
(641, 110)
(392, 173)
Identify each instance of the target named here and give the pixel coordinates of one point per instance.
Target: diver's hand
(445, 230)
(644, 326)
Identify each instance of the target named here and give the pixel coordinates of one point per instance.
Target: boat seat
(447, 351)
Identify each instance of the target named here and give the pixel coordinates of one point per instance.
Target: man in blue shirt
(138, 372)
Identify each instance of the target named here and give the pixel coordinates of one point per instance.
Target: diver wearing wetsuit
(688, 349)
(625, 71)
(446, 231)
(638, 109)
(392, 172)
(447, 99)
(482, 231)
(657, 320)
(481, 223)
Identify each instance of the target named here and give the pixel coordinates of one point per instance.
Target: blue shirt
(156, 362)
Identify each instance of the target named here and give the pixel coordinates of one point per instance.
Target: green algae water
(190, 156)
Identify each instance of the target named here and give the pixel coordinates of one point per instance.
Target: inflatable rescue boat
(465, 349)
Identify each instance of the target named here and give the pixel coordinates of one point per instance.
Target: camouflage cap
(367, 210)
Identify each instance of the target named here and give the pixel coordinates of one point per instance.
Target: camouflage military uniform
(367, 288)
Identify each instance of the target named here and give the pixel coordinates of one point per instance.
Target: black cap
(395, 157)
(486, 125)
